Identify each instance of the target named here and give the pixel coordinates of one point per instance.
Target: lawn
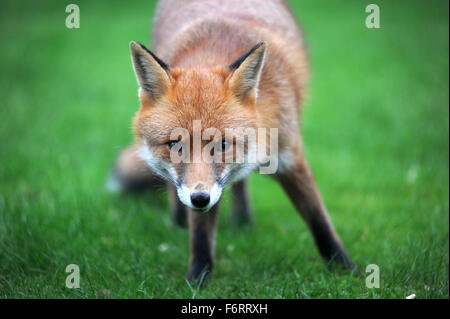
(376, 132)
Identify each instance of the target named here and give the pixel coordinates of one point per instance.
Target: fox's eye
(225, 145)
(171, 144)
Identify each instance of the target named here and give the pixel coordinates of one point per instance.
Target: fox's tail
(131, 173)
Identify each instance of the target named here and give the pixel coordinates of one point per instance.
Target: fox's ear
(151, 72)
(247, 71)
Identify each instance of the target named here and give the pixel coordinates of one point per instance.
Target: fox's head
(179, 104)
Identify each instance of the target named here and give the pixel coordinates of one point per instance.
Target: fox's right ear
(151, 72)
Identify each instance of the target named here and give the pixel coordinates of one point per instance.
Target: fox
(226, 64)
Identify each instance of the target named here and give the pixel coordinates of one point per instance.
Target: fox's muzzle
(200, 199)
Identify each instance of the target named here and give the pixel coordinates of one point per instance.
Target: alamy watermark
(373, 277)
(73, 19)
(258, 146)
(373, 19)
(73, 279)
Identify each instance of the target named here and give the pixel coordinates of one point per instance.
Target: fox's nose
(200, 199)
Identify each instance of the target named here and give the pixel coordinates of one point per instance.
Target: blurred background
(376, 133)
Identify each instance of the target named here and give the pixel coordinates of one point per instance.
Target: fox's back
(205, 33)
(175, 15)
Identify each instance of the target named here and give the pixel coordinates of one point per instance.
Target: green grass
(376, 131)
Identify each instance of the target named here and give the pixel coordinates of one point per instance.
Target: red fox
(227, 65)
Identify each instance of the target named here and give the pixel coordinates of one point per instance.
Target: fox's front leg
(299, 184)
(202, 238)
(179, 210)
(241, 211)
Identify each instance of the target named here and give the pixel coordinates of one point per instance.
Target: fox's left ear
(151, 72)
(247, 71)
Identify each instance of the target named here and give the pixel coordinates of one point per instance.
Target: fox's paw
(198, 275)
(340, 261)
